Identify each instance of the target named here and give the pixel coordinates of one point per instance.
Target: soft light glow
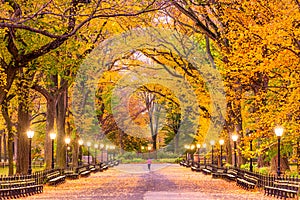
(30, 134)
(101, 146)
(198, 146)
(52, 136)
(192, 147)
(234, 137)
(212, 142)
(278, 131)
(67, 140)
(88, 144)
(204, 145)
(149, 148)
(143, 147)
(80, 142)
(96, 146)
(221, 142)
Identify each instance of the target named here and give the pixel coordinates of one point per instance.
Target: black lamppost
(67, 141)
(212, 143)
(278, 132)
(221, 142)
(101, 148)
(249, 133)
(88, 144)
(113, 151)
(187, 147)
(52, 137)
(192, 152)
(235, 138)
(204, 147)
(198, 147)
(107, 148)
(96, 147)
(30, 135)
(251, 161)
(80, 142)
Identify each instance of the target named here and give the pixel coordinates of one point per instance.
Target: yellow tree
(264, 37)
(258, 41)
(31, 30)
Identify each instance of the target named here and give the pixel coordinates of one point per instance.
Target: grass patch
(4, 170)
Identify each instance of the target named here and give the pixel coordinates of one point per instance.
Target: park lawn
(4, 170)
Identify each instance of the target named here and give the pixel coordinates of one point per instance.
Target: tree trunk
(23, 143)
(176, 141)
(49, 128)
(60, 119)
(10, 154)
(229, 152)
(284, 164)
(10, 139)
(75, 152)
(5, 147)
(74, 144)
(1, 140)
(10, 77)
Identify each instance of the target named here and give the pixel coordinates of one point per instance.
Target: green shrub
(134, 160)
(127, 156)
(165, 154)
(166, 160)
(264, 170)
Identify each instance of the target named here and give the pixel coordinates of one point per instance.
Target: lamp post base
(278, 172)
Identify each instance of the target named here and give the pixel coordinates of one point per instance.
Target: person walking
(149, 163)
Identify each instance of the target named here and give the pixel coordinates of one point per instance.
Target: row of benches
(26, 187)
(283, 189)
(278, 188)
(85, 171)
(19, 188)
(17, 192)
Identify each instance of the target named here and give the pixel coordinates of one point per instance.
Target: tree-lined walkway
(135, 182)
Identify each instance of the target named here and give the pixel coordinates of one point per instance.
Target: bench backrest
(287, 185)
(17, 183)
(250, 178)
(232, 171)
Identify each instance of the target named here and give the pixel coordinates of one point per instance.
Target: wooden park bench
(181, 162)
(184, 163)
(110, 164)
(283, 189)
(71, 174)
(19, 188)
(218, 172)
(92, 168)
(103, 166)
(207, 170)
(230, 175)
(116, 162)
(247, 181)
(55, 177)
(195, 167)
(83, 171)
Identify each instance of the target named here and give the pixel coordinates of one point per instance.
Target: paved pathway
(135, 182)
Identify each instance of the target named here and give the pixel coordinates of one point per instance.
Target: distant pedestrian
(149, 163)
